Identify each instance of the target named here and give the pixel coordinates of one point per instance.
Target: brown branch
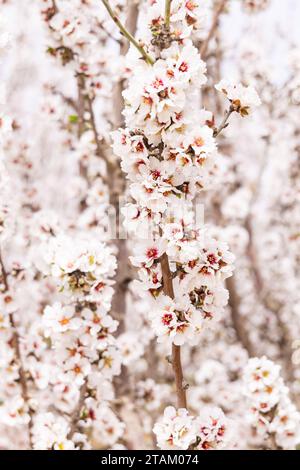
(224, 123)
(123, 268)
(214, 25)
(237, 320)
(80, 112)
(81, 103)
(68, 100)
(4, 274)
(176, 352)
(99, 149)
(252, 255)
(16, 346)
(75, 417)
(54, 7)
(109, 35)
(167, 12)
(94, 127)
(118, 102)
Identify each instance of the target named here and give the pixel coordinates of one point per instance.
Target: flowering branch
(215, 21)
(127, 34)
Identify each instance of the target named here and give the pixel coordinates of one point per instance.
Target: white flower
(82, 266)
(286, 425)
(14, 412)
(184, 64)
(272, 411)
(77, 368)
(58, 319)
(176, 430)
(200, 139)
(263, 383)
(110, 362)
(147, 252)
(164, 318)
(50, 432)
(98, 320)
(107, 429)
(213, 430)
(242, 98)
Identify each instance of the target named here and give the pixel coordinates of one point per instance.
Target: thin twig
(224, 123)
(54, 6)
(100, 153)
(4, 275)
(176, 352)
(168, 12)
(237, 320)
(127, 34)
(214, 25)
(81, 103)
(67, 99)
(109, 35)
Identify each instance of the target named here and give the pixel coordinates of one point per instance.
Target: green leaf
(73, 118)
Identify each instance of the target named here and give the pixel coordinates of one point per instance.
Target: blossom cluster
(76, 29)
(243, 99)
(85, 267)
(186, 19)
(177, 430)
(272, 411)
(169, 153)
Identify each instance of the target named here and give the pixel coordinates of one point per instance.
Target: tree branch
(100, 153)
(109, 35)
(81, 103)
(176, 352)
(127, 34)
(167, 12)
(54, 6)
(237, 320)
(224, 123)
(214, 25)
